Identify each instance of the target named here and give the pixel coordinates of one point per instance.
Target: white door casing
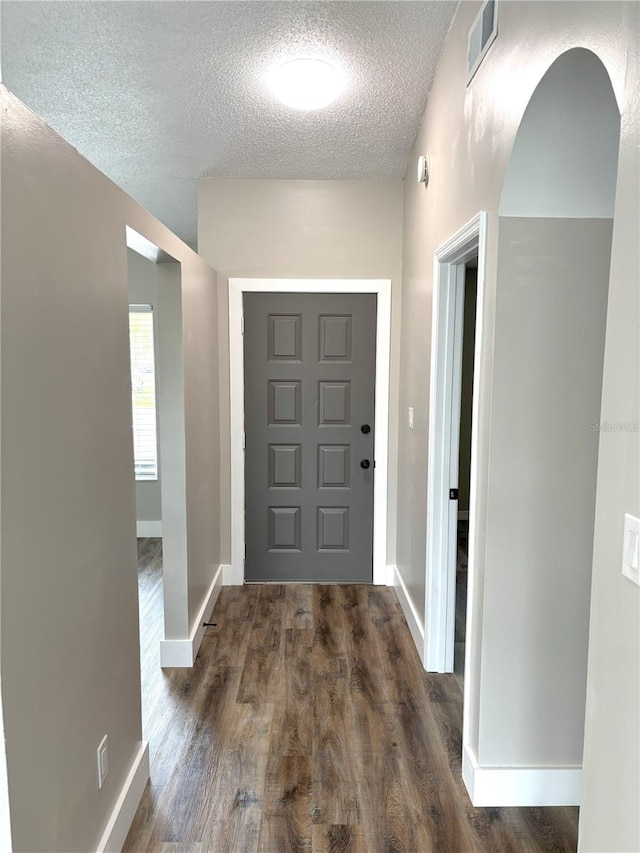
(444, 425)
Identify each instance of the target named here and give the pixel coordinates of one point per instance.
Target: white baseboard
(183, 653)
(119, 824)
(492, 787)
(411, 614)
(234, 575)
(148, 529)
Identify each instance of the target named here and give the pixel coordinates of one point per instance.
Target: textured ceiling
(158, 94)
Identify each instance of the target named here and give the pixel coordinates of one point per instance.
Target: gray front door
(309, 362)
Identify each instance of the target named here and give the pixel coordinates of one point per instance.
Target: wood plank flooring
(462, 560)
(308, 724)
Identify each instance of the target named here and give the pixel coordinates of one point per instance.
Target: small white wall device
(424, 169)
(631, 549)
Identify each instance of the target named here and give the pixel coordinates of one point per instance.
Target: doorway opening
(458, 279)
(144, 360)
(157, 377)
(382, 289)
(464, 464)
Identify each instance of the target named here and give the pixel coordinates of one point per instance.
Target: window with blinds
(143, 392)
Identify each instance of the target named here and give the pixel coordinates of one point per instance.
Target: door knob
(365, 428)
(365, 464)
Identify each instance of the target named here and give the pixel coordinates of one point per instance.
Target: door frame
(382, 288)
(446, 356)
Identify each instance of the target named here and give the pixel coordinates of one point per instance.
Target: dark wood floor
(462, 559)
(308, 724)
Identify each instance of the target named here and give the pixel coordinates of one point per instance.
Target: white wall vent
(482, 35)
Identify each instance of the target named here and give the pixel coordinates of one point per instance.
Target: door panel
(309, 387)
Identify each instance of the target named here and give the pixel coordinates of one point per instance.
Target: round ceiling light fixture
(306, 84)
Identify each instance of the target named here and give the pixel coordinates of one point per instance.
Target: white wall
(469, 133)
(303, 229)
(69, 619)
(143, 290)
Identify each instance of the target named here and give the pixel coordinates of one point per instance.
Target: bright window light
(306, 84)
(143, 392)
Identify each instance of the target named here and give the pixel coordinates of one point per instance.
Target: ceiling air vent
(482, 35)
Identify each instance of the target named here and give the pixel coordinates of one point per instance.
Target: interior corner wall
(70, 669)
(143, 290)
(469, 132)
(303, 229)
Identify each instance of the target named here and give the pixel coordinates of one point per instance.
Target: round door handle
(365, 428)
(365, 464)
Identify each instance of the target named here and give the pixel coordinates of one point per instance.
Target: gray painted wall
(551, 305)
(469, 133)
(547, 170)
(303, 229)
(69, 619)
(143, 290)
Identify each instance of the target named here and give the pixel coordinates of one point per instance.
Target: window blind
(143, 392)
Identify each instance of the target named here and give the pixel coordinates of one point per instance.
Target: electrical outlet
(410, 417)
(103, 761)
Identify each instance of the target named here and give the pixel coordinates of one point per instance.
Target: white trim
(381, 287)
(142, 246)
(176, 653)
(493, 787)
(183, 653)
(148, 529)
(5, 812)
(124, 811)
(409, 609)
(449, 259)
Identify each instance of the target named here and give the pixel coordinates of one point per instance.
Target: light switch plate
(103, 760)
(631, 548)
(410, 417)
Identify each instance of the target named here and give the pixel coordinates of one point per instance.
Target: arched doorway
(525, 699)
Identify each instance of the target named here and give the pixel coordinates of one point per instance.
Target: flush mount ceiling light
(306, 84)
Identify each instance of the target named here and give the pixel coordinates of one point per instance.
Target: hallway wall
(69, 611)
(303, 229)
(469, 132)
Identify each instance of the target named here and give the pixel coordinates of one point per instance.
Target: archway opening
(554, 250)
